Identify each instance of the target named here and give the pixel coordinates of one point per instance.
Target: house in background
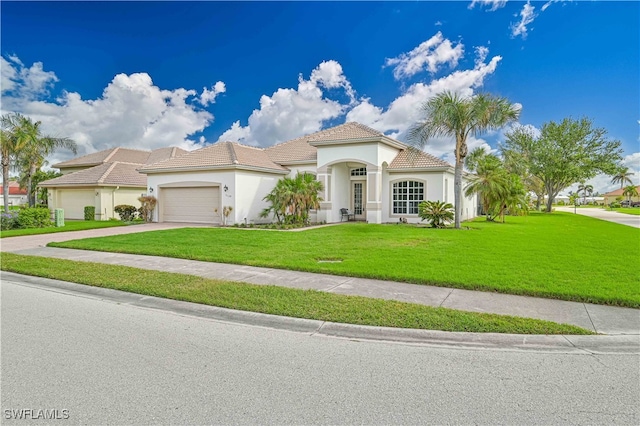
(610, 197)
(17, 195)
(104, 180)
(376, 177)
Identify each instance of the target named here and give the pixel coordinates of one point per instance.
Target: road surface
(99, 362)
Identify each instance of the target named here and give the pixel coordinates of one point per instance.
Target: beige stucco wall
(104, 199)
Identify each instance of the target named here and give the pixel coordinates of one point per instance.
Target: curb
(601, 344)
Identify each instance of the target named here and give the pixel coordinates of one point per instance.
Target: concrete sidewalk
(598, 213)
(598, 318)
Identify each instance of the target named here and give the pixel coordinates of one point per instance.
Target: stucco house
(17, 195)
(610, 197)
(103, 179)
(374, 176)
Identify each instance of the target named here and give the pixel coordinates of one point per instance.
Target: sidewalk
(598, 318)
(598, 213)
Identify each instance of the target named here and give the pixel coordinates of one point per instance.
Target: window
(406, 196)
(359, 172)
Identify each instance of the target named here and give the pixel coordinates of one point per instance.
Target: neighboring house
(17, 195)
(610, 197)
(104, 180)
(374, 176)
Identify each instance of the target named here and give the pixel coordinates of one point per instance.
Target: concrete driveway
(615, 217)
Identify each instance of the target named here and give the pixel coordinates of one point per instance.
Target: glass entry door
(357, 200)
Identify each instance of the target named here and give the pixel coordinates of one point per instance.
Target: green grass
(628, 210)
(559, 255)
(80, 225)
(309, 304)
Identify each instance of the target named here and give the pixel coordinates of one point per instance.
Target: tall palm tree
(622, 176)
(12, 141)
(449, 114)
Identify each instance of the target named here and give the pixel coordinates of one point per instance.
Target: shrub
(438, 213)
(9, 220)
(89, 213)
(127, 212)
(615, 205)
(148, 204)
(561, 203)
(34, 217)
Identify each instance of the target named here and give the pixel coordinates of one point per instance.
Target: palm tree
(490, 180)
(449, 114)
(438, 213)
(23, 145)
(630, 191)
(622, 176)
(292, 199)
(586, 191)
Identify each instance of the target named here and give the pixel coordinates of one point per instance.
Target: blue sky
(154, 74)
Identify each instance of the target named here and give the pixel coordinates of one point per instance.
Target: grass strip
(557, 255)
(68, 226)
(310, 304)
(635, 211)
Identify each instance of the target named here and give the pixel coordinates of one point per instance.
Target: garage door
(196, 204)
(73, 202)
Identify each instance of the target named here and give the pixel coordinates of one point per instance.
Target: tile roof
(298, 149)
(108, 174)
(618, 192)
(415, 159)
(14, 189)
(124, 155)
(218, 155)
(162, 154)
(345, 131)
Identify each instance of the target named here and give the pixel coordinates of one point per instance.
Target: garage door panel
(196, 204)
(73, 202)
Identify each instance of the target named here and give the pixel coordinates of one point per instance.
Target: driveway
(34, 241)
(615, 217)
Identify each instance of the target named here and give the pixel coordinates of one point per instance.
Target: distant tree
(622, 175)
(630, 191)
(449, 114)
(565, 153)
(38, 177)
(586, 190)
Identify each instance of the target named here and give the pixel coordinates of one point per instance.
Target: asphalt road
(108, 363)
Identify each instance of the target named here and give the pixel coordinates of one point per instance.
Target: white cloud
(289, 113)
(493, 5)
(550, 2)
(527, 16)
(429, 54)
(209, 96)
(405, 110)
(28, 83)
(131, 112)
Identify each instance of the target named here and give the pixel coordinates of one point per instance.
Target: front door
(358, 202)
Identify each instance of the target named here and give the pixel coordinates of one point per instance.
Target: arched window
(359, 172)
(406, 196)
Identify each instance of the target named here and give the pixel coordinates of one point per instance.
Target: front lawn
(79, 225)
(274, 300)
(558, 255)
(628, 210)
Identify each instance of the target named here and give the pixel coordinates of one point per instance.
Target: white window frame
(407, 203)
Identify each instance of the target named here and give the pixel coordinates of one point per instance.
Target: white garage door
(196, 204)
(73, 202)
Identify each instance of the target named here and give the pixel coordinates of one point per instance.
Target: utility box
(59, 218)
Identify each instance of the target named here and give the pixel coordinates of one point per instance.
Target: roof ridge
(173, 151)
(106, 173)
(232, 152)
(113, 152)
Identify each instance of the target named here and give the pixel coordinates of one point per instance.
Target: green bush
(127, 212)
(89, 213)
(9, 220)
(615, 205)
(438, 213)
(561, 203)
(34, 217)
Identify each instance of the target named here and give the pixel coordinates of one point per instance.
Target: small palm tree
(293, 198)
(449, 114)
(438, 213)
(630, 191)
(586, 190)
(622, 176)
